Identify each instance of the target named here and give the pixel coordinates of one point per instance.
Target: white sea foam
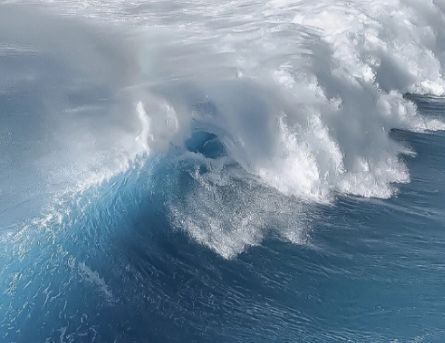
(303, 94)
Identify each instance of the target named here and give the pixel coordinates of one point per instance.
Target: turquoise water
(193, 172)
(116, 270)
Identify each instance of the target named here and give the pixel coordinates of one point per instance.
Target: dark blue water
(111, 268)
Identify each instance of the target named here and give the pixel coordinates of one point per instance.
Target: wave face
(246, 171)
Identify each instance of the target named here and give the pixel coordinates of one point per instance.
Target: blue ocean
(245, 171)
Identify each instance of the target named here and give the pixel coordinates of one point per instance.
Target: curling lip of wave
(320, 84)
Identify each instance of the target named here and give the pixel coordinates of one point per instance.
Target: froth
(228, 211)
(302, 94)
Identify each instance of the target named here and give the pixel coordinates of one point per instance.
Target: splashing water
(229, 122)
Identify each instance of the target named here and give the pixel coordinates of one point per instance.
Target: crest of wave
(302, 94)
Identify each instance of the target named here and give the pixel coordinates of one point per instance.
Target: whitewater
(238, 171)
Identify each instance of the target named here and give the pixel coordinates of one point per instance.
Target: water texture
(249, 171)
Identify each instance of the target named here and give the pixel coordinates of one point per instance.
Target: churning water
(244, 171)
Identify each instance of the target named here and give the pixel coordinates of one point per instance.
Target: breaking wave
(260, 116)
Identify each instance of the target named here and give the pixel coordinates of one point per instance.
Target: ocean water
(249, 171)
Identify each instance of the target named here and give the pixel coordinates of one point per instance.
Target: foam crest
(302, 95)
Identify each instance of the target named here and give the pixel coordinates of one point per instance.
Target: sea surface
(244, 171)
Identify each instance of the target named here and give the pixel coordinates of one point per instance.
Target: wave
(266, 113)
